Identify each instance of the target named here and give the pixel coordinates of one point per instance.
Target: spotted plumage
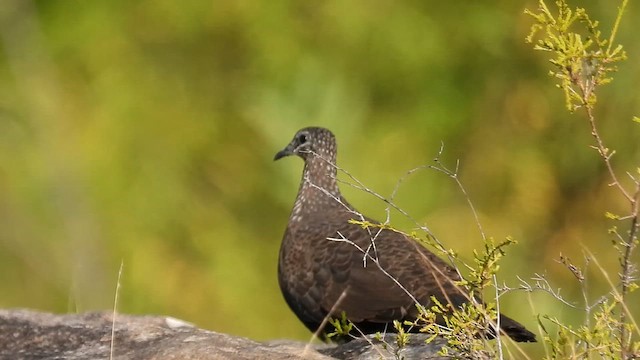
(323, 270)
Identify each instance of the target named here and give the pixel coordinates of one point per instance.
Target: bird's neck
(318, 189)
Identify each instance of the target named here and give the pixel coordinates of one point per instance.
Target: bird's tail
(515, 330)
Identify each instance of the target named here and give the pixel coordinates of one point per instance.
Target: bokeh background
(143, 133)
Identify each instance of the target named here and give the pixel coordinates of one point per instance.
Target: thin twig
(606, 155)
(497, 328)
(616, 24)
(454, 175)
(542, 284)
(629, 244)
(325, 321)
(115, 306)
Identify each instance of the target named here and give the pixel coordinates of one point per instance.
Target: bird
(331, 266)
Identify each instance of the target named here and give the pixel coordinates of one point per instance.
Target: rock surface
(27, 334)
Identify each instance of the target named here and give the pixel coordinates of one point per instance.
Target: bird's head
(311, 141)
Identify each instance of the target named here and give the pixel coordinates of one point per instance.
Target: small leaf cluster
(598, 340)
(464, 328)
(582, 57)
(341, 327)
(365, 224)
(486, 264)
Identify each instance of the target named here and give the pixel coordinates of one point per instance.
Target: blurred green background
(143, 132)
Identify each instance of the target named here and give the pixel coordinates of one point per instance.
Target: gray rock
(371, 348)
(27, 334)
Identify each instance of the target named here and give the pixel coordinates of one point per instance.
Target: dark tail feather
(515, 330)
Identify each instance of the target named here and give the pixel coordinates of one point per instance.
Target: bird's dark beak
(284, 152)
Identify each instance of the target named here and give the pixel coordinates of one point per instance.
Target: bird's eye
(302, 139)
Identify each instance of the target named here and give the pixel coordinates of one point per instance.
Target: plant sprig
(583, 59)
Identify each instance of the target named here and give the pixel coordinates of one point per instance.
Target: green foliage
(486, 265)
(463, 328)
(598, 339)
(466, 328)
(367, 224)
(402, 337)
(582, 58)
(431, 242)
(582, 66)
(342, 327)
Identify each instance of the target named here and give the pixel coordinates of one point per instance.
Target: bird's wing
(378, 291)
